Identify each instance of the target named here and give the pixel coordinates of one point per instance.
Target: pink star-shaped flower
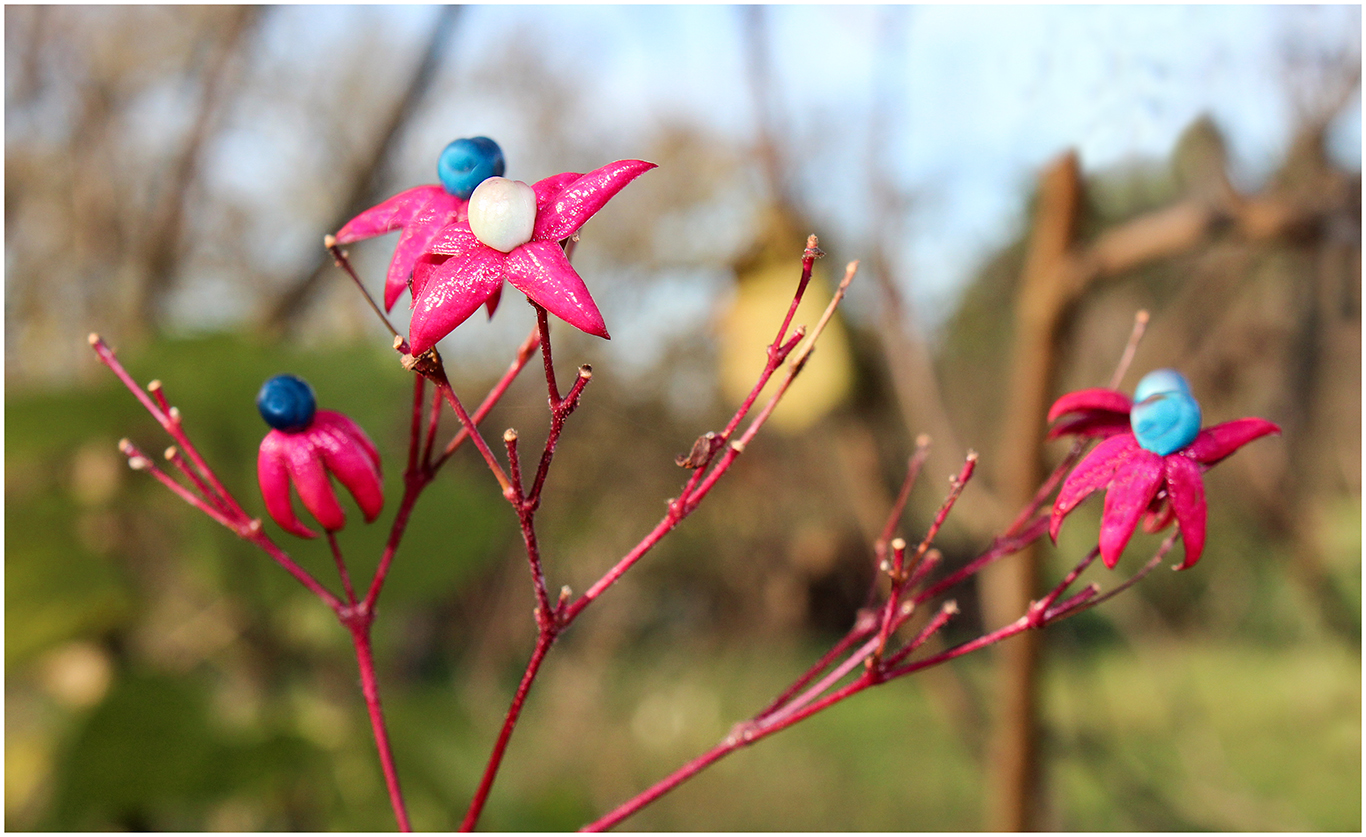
(421, 212)
(1137, 480)
(513, 232)
(331, 443)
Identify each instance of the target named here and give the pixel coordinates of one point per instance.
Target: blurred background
(1017, 182)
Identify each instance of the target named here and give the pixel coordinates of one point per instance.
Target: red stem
(913, 466)
(543, 326)
(524, 353)
(543, 643)
(445, 388)
(341, 568)
(865, 624)
(360, 636)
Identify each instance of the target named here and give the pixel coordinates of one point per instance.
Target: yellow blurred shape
(27, 763)
(77, 674)
(762, 298)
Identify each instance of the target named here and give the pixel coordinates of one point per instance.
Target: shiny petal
(1186, 493)
(1096, 399)
(387, 216)
(305, 465)
(1214, 443)
(548, 189)
(350, 455)
(454, 290)
(1131, 490)
(1094, 471)
(577, 201)
(1092, 423)
(541, 270)
(454, 240)
(429, 220)
(273, 475)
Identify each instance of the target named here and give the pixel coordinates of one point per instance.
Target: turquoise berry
(468, 162)
(1161, 380)
(287, 403)
(1166, 422)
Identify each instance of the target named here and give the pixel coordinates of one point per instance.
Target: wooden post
(1047, 288)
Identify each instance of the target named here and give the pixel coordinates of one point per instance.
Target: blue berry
(1165, 417)
(466, 163)
(1161, 380)
(287, 403)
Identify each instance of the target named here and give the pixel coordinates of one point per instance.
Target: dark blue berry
(287, 403)
(468, 162)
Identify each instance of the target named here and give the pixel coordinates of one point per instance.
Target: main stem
(544, 640)
(359, 626)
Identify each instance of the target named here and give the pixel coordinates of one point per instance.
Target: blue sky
(976, 99)
(988, 94)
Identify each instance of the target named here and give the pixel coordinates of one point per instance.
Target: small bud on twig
(702, 451)
(170, 453)
(509, 435)
(329, 241)
(93, 339)
(586, 371)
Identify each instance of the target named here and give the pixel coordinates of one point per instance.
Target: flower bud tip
(125, 446)
(170, 452)
(972, 455)
(951, 606)
(509, 435)
(923, 440)
(398, 341)
(93, 339)
(174, 413)
(154, 386)
(137, 463)
(898, 544)
(329, 241)
(586, 371)
(1142, 316)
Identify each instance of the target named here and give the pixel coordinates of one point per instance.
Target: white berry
(502, 213)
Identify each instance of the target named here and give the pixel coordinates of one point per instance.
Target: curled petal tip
(1096, 399)
(562, 213)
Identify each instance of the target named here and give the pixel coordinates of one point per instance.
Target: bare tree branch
(371, 177)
